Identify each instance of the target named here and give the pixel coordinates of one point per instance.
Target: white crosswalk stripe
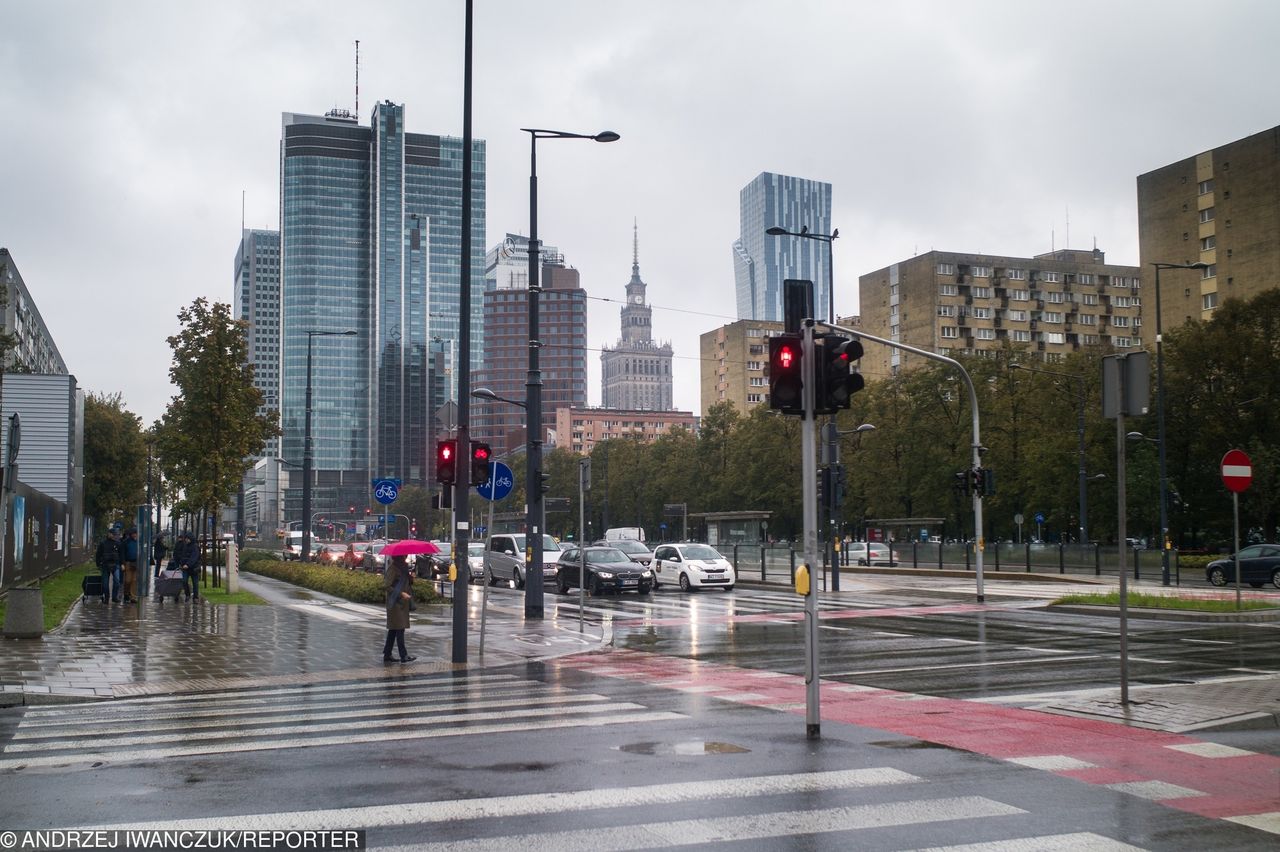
(291, 717)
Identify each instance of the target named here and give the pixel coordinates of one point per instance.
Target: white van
(620, 533)
(293, 545)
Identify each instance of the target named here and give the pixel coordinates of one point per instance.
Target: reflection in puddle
(688, 747)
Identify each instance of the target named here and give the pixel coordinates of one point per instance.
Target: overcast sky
(130, 129)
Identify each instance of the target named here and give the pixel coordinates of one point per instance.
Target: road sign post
(1237, 475)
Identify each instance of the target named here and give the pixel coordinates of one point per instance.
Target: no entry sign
(1237, 471)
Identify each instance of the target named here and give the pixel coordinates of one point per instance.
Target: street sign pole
(1235, 514)
(1237, 475)
(584, 483)
(808, 444)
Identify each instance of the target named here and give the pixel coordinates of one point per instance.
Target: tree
(212, 428)
(115, 459)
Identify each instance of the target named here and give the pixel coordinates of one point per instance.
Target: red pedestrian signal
(481, 455)
(447, 461)
(786, 380)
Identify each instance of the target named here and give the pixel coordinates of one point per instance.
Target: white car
(691, 566)
(871, 553)
(475, 558)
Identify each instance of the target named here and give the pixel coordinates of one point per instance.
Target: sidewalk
(112, 651)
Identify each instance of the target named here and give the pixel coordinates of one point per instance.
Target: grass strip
(1155, 601)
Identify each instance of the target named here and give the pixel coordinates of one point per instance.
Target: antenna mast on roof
(357, 78)
(1068, 236)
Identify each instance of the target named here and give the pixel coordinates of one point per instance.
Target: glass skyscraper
(761, 262)
(370, 235)
(257, 302)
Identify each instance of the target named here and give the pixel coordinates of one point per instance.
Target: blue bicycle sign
(385, 491)
(501, 481)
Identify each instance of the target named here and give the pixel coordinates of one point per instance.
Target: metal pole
(812, 716)
(1084, 487)
(582, 540)
(533, 605)
(1164, 475)
(484, 595)
(1235, 514)
(305, 554)
(1122, 533)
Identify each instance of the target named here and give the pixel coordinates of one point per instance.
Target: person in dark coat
(397, 582)
(108, 560)
(129, 552)
(186, 553)
(158, 551)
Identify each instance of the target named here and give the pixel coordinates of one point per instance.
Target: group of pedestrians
(117, 560)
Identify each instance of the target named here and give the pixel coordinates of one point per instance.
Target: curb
(1243, 617)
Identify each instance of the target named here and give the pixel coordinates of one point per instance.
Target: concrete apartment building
(1220, 207)
(973, 304)
(734, 362)
(579, 429)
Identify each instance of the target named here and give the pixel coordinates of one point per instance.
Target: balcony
(1040, 345)
(961, 320)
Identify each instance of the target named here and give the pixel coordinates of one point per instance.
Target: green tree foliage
(115, 459)
(212, 427)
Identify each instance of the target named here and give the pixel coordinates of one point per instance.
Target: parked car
(636, 550)
(691, 566)
(436, 565)
(506, 559)
(475, 558)
(331, 553)
(1259, 564)
(871, 553)
(608, 570)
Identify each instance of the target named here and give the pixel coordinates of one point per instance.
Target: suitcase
(91, 586)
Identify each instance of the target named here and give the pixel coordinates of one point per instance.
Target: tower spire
(635, 247)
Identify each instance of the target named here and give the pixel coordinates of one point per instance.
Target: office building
(972, 304)
(257, 302)
(734, 363)
(762, 262)
(1220, 207)
(580, 429)
(635, 373)
(33, 349)
(562, 355)
(507, 264)
(370, 240)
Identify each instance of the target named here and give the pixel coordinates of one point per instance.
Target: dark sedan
(1259, 564)
(608, 570)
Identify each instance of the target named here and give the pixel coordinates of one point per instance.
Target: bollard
(24, 616)
(1136, 574)
(939, 553)
(233, 568)
(762, 562)
(1062, 564)
(793, 566)
(966, 556)
(996, 548)
(736, 568)
(1028, 556)
(915, 562)
(1097, 559)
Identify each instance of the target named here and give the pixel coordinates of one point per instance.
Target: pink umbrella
(409, 546)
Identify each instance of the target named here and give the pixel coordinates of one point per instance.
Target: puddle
(908, 744)
(689, 747)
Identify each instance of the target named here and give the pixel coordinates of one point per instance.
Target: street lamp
(1084, 499)
(1164, 479)
(826, 238)
(533, 384)
(306, 442)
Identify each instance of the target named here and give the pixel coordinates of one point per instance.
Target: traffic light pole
(977, 448)
(808, 445)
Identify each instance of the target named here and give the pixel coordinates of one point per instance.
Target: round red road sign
(1237, 470)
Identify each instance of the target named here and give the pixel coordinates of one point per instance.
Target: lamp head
(484, 393)
(606, 136)
(775, 231)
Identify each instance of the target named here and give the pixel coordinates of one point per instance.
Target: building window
(1054, 297)
(1090, 298)
(1208, 242)
(1209, 301)
(1055, 337)
(1016, 274)
(1121, 301)
(1052, 316)
(980, 271)
(755, 365)
(981, 292)
(1205, 186)
(949, 290)
(986, 333)
(1016, 316)
(1123, 342)
(757, 381)
(1020, 295)
(1085, 278)
(752, 397)
(1052, 277)
(946, 310)
(950, 331)
(1206, 215)
(1088, 319)
(981, 313)
(1211, 271)
(755, 332)
(1021, 336)
(946, 269)
(1120, 322)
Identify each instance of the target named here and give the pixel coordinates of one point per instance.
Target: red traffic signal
(447, 461)
(481, 455)
(786, 381)
(838, 381)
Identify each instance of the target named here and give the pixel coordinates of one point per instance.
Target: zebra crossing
(306, 716)
(846, 802)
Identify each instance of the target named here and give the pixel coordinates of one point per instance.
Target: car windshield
(446, 547)
(548, 543)
(701, 551)
(629, 545)
(475, 548)
(606, 554)
(377, 548)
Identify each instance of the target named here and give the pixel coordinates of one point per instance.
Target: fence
(777, 563)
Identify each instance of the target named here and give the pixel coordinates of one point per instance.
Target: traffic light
(988, 482)
(824, 487)
(839, 483)
(962, 483)
(976, 481)
(786, 376)
(447, 461)
(480, 456)
(545, 480)
(838, 381)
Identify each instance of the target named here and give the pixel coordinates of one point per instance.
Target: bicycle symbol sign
(385, 491)
(499, 484)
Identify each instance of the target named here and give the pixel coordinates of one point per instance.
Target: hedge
(1197, 563)
(357, 586)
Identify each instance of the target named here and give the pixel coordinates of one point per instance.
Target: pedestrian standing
(158, 551)
(397, 581)
(186, 553)
(129, 564)
(107, 559)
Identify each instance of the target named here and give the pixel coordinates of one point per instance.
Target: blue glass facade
(761, 262)
(370, 242)
(257, 302)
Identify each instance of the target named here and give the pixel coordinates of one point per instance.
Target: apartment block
(580, 429)
(734, 361)
(1221, 208)
(974, 304)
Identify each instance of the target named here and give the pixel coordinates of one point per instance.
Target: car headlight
(604, 575)
(646, 574)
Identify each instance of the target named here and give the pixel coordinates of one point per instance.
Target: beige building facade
(974, 304)
(1221, 208)
(580, 429)
(734, 363)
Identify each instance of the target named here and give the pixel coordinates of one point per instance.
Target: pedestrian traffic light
(962, 482)
(838, 381)
(988, 482)
(480, 456)
(824, 487)
(545, 481)
(975, 480)
(839, 483)
(786, 378)
(447, 461)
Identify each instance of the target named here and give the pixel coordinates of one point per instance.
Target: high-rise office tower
(636, 373)
(562, 338)
(761, 262)
(257, 302)
(370, 234)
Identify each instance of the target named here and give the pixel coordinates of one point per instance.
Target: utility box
(24, 615)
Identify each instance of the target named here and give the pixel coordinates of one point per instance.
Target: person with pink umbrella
(397, 582)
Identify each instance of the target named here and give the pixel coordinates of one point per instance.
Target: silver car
(506, 559)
